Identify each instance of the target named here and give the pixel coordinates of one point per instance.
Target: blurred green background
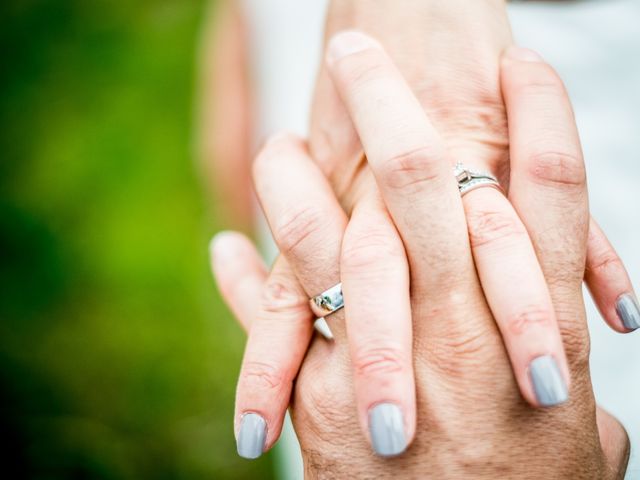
(118, 359)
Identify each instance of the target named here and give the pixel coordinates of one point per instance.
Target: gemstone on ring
(470, 180)
(328, 301)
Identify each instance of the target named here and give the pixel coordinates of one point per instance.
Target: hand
(461, 112)
(471, 419)
(449, 54)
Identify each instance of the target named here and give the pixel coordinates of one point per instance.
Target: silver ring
(327, 302)
(469, 180)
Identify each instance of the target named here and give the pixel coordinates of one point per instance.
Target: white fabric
(595, 46)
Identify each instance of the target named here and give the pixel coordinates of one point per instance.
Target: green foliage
(117, 358)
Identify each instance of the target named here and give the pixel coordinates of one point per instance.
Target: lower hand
(471, 419)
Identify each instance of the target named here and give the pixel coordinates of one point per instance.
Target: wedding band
(469, 180)
(327, 302)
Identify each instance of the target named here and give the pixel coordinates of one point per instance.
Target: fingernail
(548, 384)
(386, 428)
(522, 55)
(628, 310)
(322, 327)
(348, 43)
(252, 435)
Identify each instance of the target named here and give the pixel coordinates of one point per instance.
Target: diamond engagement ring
(469, 180)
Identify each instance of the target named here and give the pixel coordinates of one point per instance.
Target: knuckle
(412, 169)
(296, 226)
(606, 263)
(487, 227)
(563, 274)
(379, 361)
(453, 357)
(577, 347)
(459, 349)
(325, 402)
(359, 70)
(557, 168)
(368, 250)
(519, 322)
(262, 375)
(280, 298)
(574, 331)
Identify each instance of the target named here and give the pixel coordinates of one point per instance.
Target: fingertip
(549, 380)
(239, 273)
(520, 54)
(258, 432)
(252, 436)
(521, 68)
(279, 148)
(387, 429)
(628, 311)
(225, 247)
(284, 138)
(221, 243)
(349, 42)
(609, 283)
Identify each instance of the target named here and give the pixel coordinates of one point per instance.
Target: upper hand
(464, 388)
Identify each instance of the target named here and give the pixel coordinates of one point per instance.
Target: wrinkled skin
(472, 421)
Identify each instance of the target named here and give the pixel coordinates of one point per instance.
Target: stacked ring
(469, 180)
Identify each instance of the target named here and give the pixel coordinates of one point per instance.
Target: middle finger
(408, 159)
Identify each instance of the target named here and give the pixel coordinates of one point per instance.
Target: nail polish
(548, 384)
(628, 310)
(386, 428)
(252, 435)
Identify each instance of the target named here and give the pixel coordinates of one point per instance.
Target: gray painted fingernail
(628, 310)
(322, 326)
(386, 428)
(253, 433)
(548, 384)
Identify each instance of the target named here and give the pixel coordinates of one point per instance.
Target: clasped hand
(464, 334)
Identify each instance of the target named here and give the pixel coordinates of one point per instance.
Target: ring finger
(517, 293)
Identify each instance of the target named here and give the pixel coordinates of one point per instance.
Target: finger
(415, 178)
(275, 312)
(548, 186)
(375, 281)
(278, 339)
(408, 160)
(239, 272)
(308, 225)
(305, 218)
(518, 296)
(609, 283)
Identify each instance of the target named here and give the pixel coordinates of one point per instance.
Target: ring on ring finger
(469, 180)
